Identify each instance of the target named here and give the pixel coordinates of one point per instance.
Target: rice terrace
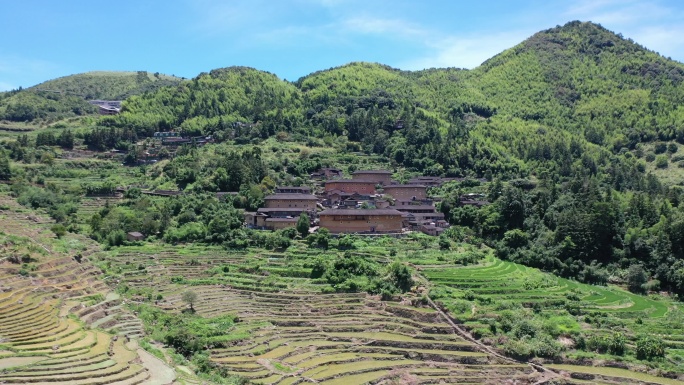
(518, 223)
(61, 323)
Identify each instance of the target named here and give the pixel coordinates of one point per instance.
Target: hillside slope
(108, 85)
(577, 85)
(67, 96)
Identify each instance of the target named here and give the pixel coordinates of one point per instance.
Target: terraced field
(61, 323)
(289, 332)
(509, 281)
(42, 292)
(508, 285)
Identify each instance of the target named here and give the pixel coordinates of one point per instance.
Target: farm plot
(509, 281)
(489, 296)
(337, 337)
(41, 291)
(62, 349)
(290, 332)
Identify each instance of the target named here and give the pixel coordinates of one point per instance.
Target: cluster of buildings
(171, 138)
(107, 107)
(368, 203)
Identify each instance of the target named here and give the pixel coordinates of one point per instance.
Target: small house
(134, 236)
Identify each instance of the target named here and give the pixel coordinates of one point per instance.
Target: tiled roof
(352, 181)
(290, 196)
(360, 212)
(282, 219)
(404, 186)
(281, 210)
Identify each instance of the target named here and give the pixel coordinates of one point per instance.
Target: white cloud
(381, 26)
(464, 52)
(665, 40)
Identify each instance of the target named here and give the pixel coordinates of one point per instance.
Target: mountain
(564, 93)
(212, 100)
(567, 99)
(582, 77)
(108, 85)
(67, 96)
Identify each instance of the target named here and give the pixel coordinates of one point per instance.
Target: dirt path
(160, 373)
(547, 374)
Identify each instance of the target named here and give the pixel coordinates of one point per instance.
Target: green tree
(5, 170)
(303, 225)
(636, 278)
(649, 348)
(189, 297)
(59, 230)
(400, 276)
(66, 139)
(444, 243)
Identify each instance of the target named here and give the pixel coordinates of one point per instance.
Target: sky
(45, 39)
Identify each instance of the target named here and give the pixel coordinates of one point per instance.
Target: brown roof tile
(360, 212)
(291, 196)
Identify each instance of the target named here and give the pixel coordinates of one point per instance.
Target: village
(368, 203)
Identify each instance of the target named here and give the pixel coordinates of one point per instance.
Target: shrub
(525, 328)
(116, 238)
(649, 348)
(459, 307)
(662, 161)
(469, 295)
(319, 268)
(519, 349)
(444, 243)
(400, 276)
(671, 148)
(636, 278)
(616, 344)
(597, 343)
(345, 242)
(651, 285)
(59, 230)
(545, 346)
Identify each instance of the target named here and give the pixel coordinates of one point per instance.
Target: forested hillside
(67, 96)
(572, 142)
(577, 127)
(212, 101)
(575, 118)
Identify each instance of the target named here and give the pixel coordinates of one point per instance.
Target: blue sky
(45, 39)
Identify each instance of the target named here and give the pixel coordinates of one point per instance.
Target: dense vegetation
(577, 112)
(66, 97)
(577, 132)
